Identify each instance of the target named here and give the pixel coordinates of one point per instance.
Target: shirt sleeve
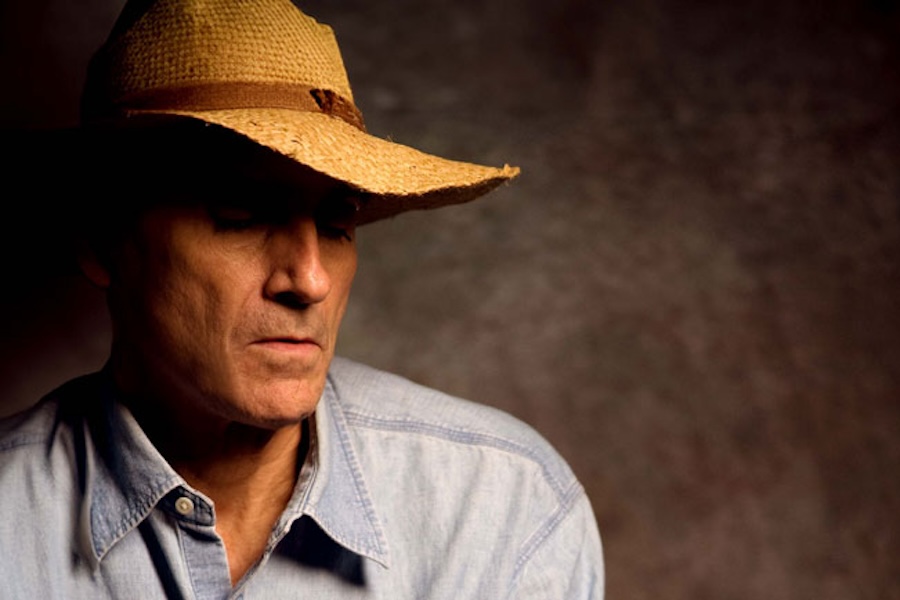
(568, 564)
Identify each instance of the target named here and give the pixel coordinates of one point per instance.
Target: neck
(237, 464)
(250, 478)
(248, 472)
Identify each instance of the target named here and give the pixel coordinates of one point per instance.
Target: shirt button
(184, 506)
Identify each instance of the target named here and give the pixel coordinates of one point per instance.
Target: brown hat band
(243, 95)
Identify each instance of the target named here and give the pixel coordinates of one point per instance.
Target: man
(224, 452)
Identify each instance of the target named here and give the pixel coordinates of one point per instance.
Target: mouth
(288, 344)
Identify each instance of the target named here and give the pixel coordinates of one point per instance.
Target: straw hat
(268, 72)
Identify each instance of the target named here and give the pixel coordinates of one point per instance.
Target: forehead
(186, 161)
(252, 182)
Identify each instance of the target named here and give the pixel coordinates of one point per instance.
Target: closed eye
(336, 218)
(233, 218)
(239, 216)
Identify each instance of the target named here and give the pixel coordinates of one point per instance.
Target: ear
(91, 265)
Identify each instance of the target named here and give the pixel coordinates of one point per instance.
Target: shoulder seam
(461, 436)
(563, 510)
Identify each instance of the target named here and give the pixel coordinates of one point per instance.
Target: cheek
(342, 273)
(341, 264)
(196, 303)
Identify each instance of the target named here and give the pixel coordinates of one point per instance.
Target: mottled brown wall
(692, 290)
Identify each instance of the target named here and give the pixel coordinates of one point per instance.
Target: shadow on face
(124, 172)
(227, 274)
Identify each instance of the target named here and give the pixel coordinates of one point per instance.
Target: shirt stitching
(18, 442)
(338, 415)
(134, 516)
(534, 541)
(460, 436)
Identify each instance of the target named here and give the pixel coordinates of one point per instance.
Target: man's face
(227, 305)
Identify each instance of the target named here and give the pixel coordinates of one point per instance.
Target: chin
(279, 407)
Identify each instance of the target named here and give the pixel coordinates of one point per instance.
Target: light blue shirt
(405, 493)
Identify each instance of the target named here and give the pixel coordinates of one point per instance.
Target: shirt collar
(338, 498)
(127, 479)
(130, 477)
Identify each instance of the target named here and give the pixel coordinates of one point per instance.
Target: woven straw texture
(157, 52)
(181, 43)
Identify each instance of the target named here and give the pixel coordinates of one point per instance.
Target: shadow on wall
(691, 290)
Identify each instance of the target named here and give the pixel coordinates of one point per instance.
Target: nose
(297, 278)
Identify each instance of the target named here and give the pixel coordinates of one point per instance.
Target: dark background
(692, 290)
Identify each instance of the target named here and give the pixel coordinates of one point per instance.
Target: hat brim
(393, 178)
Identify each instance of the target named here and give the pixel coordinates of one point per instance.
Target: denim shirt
(405, 493)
